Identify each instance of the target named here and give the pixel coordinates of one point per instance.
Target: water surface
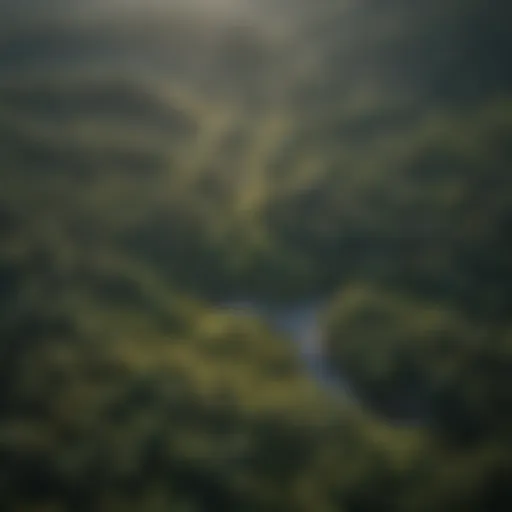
(300, 323)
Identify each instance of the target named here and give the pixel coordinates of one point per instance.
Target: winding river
(300, 323)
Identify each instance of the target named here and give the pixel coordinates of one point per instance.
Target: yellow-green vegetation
(158, 160)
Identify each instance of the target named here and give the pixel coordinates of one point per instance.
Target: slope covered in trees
(158, 159)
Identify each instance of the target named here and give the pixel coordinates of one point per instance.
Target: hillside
(160, 159)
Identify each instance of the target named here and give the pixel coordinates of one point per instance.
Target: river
(300, 323)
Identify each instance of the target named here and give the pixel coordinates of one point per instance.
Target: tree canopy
(156, 162)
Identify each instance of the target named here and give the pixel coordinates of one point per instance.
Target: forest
(161, 161)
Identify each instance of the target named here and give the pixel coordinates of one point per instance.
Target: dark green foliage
(155, 163)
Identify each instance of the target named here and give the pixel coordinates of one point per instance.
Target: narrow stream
(301, 324)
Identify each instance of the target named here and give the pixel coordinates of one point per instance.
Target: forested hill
(157, 158)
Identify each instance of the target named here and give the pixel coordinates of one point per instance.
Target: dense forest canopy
(158, 159)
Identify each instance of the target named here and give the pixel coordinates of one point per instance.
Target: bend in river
(301, 324)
